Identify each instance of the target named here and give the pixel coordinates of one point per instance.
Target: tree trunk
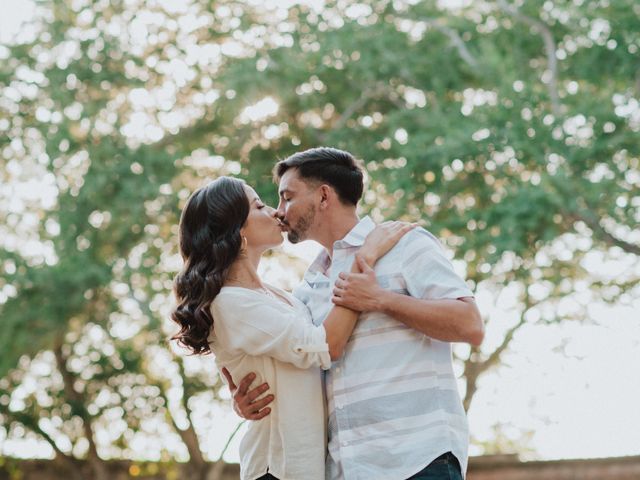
(78, 404)
(215, 471)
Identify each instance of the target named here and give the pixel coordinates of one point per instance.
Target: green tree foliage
(510, 130)
(88, 262)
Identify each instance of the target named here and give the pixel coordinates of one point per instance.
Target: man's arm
(448, 320)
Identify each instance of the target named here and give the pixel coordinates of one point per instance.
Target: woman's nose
(276, 215)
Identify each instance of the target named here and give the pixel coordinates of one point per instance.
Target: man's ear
(326, 196)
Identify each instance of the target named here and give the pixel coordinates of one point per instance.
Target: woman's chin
(277, 241)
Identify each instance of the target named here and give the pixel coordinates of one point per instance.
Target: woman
(225, 308)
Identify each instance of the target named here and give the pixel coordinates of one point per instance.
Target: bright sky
(14, 13)
(575, 386)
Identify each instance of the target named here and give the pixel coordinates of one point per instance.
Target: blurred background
(509, 129)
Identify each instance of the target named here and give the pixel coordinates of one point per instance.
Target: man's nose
(279, 212)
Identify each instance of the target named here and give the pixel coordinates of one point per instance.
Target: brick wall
(510, 468)
(480, 468)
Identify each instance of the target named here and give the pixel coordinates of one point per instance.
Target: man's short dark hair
(334, 167)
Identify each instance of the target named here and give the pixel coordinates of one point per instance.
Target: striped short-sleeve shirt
(393, 402)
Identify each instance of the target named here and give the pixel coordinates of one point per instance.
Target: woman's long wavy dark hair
(210, 241)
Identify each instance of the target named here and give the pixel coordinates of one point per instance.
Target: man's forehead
(290, 181)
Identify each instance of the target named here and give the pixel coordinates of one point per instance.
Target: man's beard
(298, 233)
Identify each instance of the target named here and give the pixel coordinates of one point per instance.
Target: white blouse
(254, 332)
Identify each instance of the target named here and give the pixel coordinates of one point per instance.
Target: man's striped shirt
(393, 402)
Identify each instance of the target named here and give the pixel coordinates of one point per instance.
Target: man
(393, 406)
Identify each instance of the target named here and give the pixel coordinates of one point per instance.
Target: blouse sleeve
(259, 326)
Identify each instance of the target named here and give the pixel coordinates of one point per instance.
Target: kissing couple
(354, 367)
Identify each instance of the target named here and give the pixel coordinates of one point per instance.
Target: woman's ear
(244, 241)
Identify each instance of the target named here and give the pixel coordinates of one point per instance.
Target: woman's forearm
(340, 323)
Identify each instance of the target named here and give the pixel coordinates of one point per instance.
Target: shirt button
(338, 369)
(339, 406)
(345, 443)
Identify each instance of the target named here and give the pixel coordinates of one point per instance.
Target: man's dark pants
(445, 467)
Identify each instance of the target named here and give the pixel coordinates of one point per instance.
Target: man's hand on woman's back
(246, 403)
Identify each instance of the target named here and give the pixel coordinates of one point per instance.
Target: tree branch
(233, 434)
(205, 125)
(550, 50)
(32, 424)
(456, 41)
(215, 473)
(454, 37)
(366, 95)
(188, 435)
(350, 111)
(78, 405)
(594, 224)
(473, 369)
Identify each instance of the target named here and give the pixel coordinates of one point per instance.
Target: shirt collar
(355, 238)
